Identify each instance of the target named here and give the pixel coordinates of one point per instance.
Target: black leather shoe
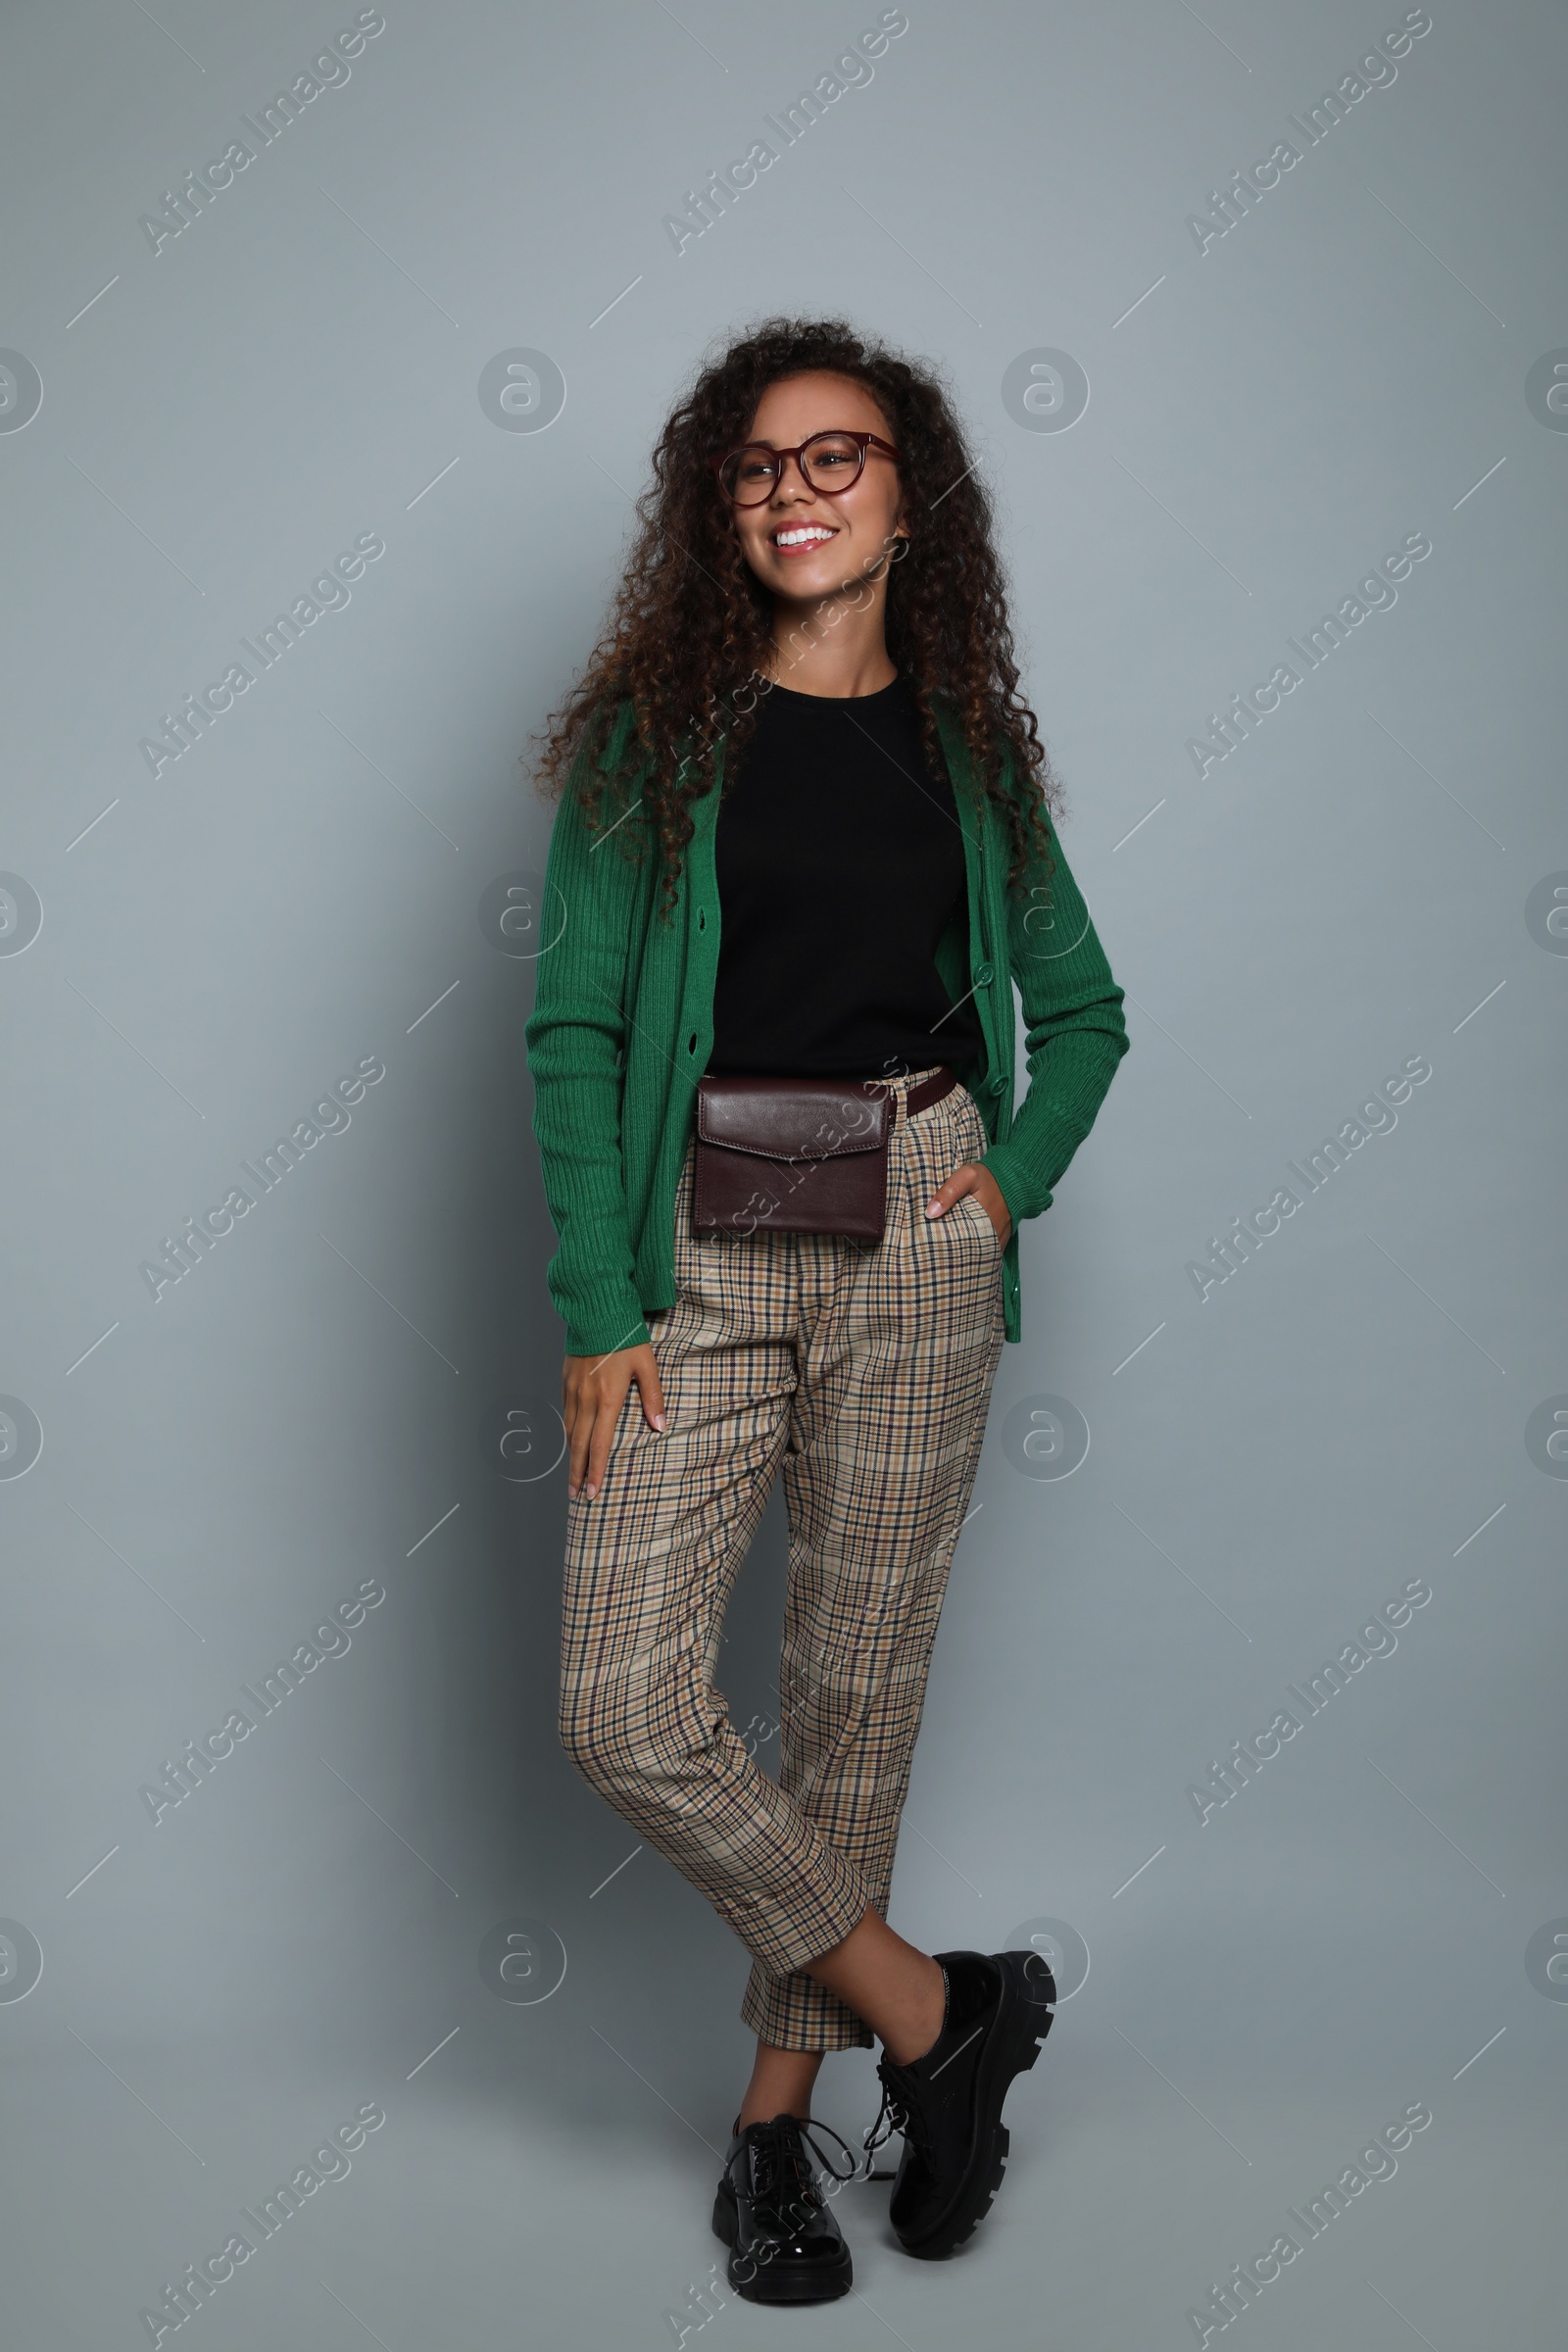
(948, 2102)
(785, 2245)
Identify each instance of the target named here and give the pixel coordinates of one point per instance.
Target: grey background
(298, 1413)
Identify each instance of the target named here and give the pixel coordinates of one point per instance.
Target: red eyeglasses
(831, 462)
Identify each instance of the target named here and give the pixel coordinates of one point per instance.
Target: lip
(806, 547)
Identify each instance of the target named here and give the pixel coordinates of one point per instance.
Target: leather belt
(920, 1098)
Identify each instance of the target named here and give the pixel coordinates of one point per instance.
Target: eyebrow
(755, 442)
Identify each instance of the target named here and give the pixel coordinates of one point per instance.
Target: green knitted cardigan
(622, 1028)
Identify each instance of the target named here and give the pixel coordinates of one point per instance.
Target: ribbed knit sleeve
(575, 1039)
(1074, 1036)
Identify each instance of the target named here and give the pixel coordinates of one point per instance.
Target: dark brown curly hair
(691, 624)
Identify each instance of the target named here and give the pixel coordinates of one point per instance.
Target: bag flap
(782, 1118)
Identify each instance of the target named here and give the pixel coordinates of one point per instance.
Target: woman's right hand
(593, 1392)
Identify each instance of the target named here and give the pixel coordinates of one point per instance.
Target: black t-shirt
(839, 861)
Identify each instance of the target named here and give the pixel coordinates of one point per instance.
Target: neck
(832, 647)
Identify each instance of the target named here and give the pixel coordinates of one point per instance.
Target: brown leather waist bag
(799, 1155)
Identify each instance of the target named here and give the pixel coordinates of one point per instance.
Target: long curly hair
(690, 629)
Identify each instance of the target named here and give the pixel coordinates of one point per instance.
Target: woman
(803, 851)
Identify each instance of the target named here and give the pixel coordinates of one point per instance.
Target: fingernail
(590, 1492)
(659, 1420)
(933, 1208)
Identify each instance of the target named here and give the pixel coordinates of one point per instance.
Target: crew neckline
(838, 701)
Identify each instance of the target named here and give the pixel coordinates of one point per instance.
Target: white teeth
(800, 538)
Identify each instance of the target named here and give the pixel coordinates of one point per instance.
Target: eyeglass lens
(829, 462)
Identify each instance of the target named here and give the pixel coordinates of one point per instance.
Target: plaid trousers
(865, 1370)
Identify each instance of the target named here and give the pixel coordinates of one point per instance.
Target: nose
(805, 489)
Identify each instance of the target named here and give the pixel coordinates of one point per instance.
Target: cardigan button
(999, 1084)
(984, 976)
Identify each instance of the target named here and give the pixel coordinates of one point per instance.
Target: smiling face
(805, 544)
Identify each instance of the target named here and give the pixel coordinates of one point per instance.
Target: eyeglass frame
(863, 442)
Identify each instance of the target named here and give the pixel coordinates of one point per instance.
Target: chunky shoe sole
(783, 2279)
(1023, 2022)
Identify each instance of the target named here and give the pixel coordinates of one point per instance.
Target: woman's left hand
(971, 1178)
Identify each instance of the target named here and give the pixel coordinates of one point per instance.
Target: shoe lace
(894, 2115)
(780, 2159)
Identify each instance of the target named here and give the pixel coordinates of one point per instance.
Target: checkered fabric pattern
(866, 1372)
